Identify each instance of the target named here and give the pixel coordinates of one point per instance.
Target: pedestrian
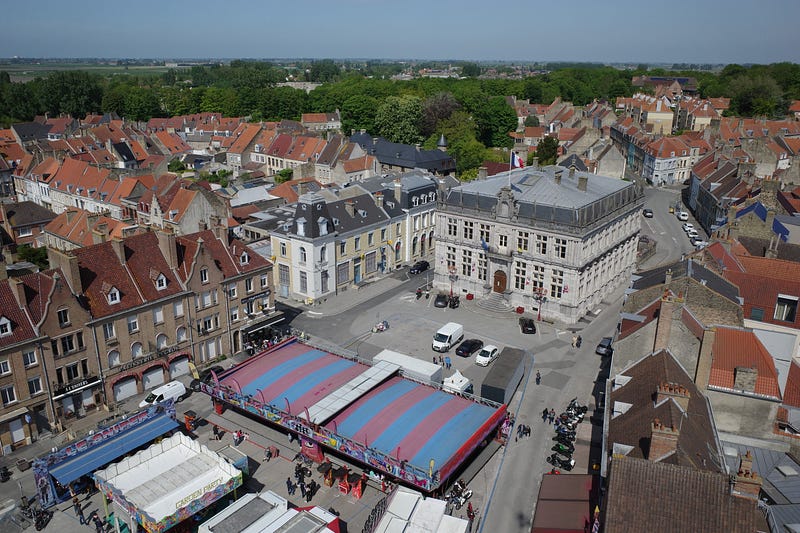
(545, 413)
(538, 377)
(302, 489)
(441, 360)
(447, 362)
(527, 431)
(78, 510)
(289, 486)
(310, 491)
(578, 341)
(519, 433)
(98, 524)
(574, 340)
(291, 437)
(215, 431)
(267, 454)
(552, 415)
(434, 359)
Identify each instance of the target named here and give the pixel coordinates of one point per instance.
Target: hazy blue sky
(698, 31)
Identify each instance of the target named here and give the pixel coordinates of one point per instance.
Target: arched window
(161, 341)
(181, 334)
(414, 245)
(113, 359)
(136, 349)
(302, 254)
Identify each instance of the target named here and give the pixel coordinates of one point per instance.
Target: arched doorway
(500, 281)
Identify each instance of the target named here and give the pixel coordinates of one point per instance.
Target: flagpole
(510, 166)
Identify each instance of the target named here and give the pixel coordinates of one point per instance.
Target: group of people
(444, 361)
(239, 437)
(548, 415)
(576, 340)
(523, 431)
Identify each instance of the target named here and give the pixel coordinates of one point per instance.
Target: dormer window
(5, 326)
(203, 275)
(113, 296)
(301, 226)
(161, 282)
(244, 258)
(322, 222)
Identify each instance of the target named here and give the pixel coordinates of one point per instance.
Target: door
(125, 388)
(356, 272)
(17, 431)
(153, 378)
(179, 367)
(211, 349)
(499, 281)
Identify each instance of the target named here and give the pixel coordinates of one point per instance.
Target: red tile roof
(741, 348)
(791, 392)
(21, 326)
(245, 138)
(770, 268)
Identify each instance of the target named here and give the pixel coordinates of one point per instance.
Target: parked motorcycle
(5, 474)
(459, 500)
(454, 302)
(566, 464)
(566, 441)
(573, 404)
(564, 432)
(43, 517)
(562, 448)
(419, 293)
(380, 326)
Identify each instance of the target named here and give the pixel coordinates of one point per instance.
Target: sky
(607, 31)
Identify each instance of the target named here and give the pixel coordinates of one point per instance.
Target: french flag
(516, 161)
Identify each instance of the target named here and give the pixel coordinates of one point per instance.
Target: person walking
(538, 377)
(551, 415)
(289, 486)
(303, 489)
(99, 527)
(267, 454)
(545, 413)
(215, 431)
(574, 340)
(447, 362)
(78, 510)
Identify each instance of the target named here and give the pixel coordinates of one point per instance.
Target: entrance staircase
(495, 303)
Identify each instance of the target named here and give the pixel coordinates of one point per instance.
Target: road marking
(313, 313)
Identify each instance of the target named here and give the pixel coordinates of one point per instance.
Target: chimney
(583, 181)
(302, 188)
(379, 199)
(68, 263)
(398, 189)
(703, 371)
(119, 248)
(679, 393)
(3, 269)
(558, 176)
(770, 218)
(350, 207)
(733, 232)
(483, 173)
(744, 378)
(417, 146)
(668, 277)
(70, 214)
(99, 233)
(746, 483)
(664, 324)
(663, 441)
(572, 171)
(534, 163)
(168, 247)
(772, 251)
(18, 289)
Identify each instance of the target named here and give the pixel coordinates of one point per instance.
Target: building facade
(555, 241)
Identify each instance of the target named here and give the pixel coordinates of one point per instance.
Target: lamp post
(540, 298)
(453, 278)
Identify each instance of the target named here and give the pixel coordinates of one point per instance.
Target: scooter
(564, 432)
(563, 439)
(563, 448)
(462, 498)
(573, 404)
(380, 326)
(5, 474)
(566, 464)
(43, 517)
(454, 302)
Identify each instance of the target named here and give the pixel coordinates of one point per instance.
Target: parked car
(527, 325)
(683, 215)
(604, 347)
(699, 245)
(205, 377)
(687, 226)
(648, 213)
(419, 266)
(469, 347)
(692, 234)
(442, 300)
(487, 354)
(174, 390)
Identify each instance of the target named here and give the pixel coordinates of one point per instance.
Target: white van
(174, 390)
(448, 336)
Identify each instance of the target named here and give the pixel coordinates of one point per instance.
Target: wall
(742, 415)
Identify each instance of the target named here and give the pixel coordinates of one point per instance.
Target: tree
(37, 256)
(470, 70)
(435, 109)
(284, 175)
(398, 119)
(531, 120)
(547, 151)
(358, 113)
(176, 165)
(495, 120)
(758, 96)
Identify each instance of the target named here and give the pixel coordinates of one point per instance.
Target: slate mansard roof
(543, 200)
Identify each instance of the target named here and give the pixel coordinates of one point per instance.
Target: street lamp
(453, 278)
(540, 298)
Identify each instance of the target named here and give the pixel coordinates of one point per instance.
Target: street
(665, 228)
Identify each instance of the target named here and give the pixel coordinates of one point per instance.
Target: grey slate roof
(124, 152)
(27, 213)
(687, 267)
(31, 131)
(405, 155)
(543, 200)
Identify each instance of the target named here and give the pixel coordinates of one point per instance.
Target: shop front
(147, 372)
(76, 398)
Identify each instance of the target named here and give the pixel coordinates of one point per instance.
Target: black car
(419, 266)
(527, 325)
(604, 347)
(442, 300)
(205, 376)
(469, 347)
(648, 213)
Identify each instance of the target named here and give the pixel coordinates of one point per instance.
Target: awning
(109, 451)
(14, 414)
(266, 324)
